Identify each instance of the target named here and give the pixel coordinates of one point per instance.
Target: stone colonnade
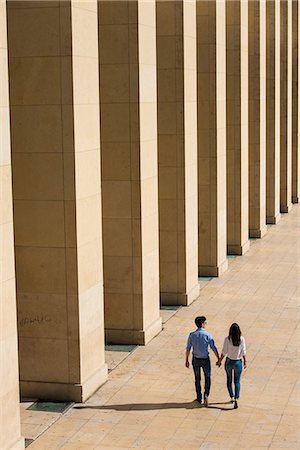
(141, 142)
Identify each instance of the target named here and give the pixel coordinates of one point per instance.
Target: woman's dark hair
(235, 334)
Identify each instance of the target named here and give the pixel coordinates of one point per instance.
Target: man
(200, 340)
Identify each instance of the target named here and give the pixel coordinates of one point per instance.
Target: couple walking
(234, 348)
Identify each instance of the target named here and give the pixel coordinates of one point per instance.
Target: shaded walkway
(148, 399)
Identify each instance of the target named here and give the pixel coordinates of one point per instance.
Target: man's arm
(214, 348)
(187, 363)
(217, 354)
(187, 352)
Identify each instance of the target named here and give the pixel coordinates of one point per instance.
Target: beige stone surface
(177, 150)
(54, 91)
(295, 105)
(34, 423)
(273, 112)
(257, 118)
(148, 401)
(10, 431)
(211, 73)
(127, 57)
(285, 105)
(237, 126)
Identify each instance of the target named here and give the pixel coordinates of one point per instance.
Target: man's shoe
(232, 399)
(198, 400)
(235, 404)
(205, 402)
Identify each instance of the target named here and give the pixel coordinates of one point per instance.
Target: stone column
(273, 112)
(257, 118)
(54, 91)
(10, 430)
(285, 105)
(237, 126)
(127, 50)
(211, 72)
(295, 112)
(177, 150)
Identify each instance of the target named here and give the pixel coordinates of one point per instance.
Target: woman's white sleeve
(225, 347)
(243, 347)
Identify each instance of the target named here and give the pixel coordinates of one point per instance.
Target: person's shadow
(152, 406)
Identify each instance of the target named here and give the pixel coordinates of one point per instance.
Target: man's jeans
(205, 364)
(235, 366)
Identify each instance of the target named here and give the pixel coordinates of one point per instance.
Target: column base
(238, 249)
(295, 199)
(18, 445)
(138, 337)
(286, 208)
(176, 298)
(273, 220)
(213, 271)
(63, 391)
(258, 233)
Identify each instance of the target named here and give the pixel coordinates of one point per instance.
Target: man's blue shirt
(200, 340)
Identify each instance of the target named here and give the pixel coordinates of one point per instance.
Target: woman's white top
(232, 351)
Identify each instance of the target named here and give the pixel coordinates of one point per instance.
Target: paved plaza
(147, 401)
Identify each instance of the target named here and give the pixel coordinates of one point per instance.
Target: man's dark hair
(199, 321)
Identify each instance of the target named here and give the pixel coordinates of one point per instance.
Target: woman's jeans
(235, 366)
(205, 364)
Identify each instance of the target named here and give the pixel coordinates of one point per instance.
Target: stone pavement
(148, 399)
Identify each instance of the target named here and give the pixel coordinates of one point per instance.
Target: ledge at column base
(286, 208)
(295, 199)
(138, 337)
(273, 220)
(259, 233)
(18, 445)
(177, 298)
(64, 391)
(213, 271)
(238, 249)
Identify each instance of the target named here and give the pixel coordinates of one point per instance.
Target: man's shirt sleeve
(189, 343)
(212, 345)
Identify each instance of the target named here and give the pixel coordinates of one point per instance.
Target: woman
(235, 349)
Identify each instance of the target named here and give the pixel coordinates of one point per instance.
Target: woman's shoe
(232, 399)
(235, 406)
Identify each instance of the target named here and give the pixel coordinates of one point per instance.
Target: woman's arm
(244, 352)
(220, 360)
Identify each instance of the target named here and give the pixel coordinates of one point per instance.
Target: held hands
(219, 363)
